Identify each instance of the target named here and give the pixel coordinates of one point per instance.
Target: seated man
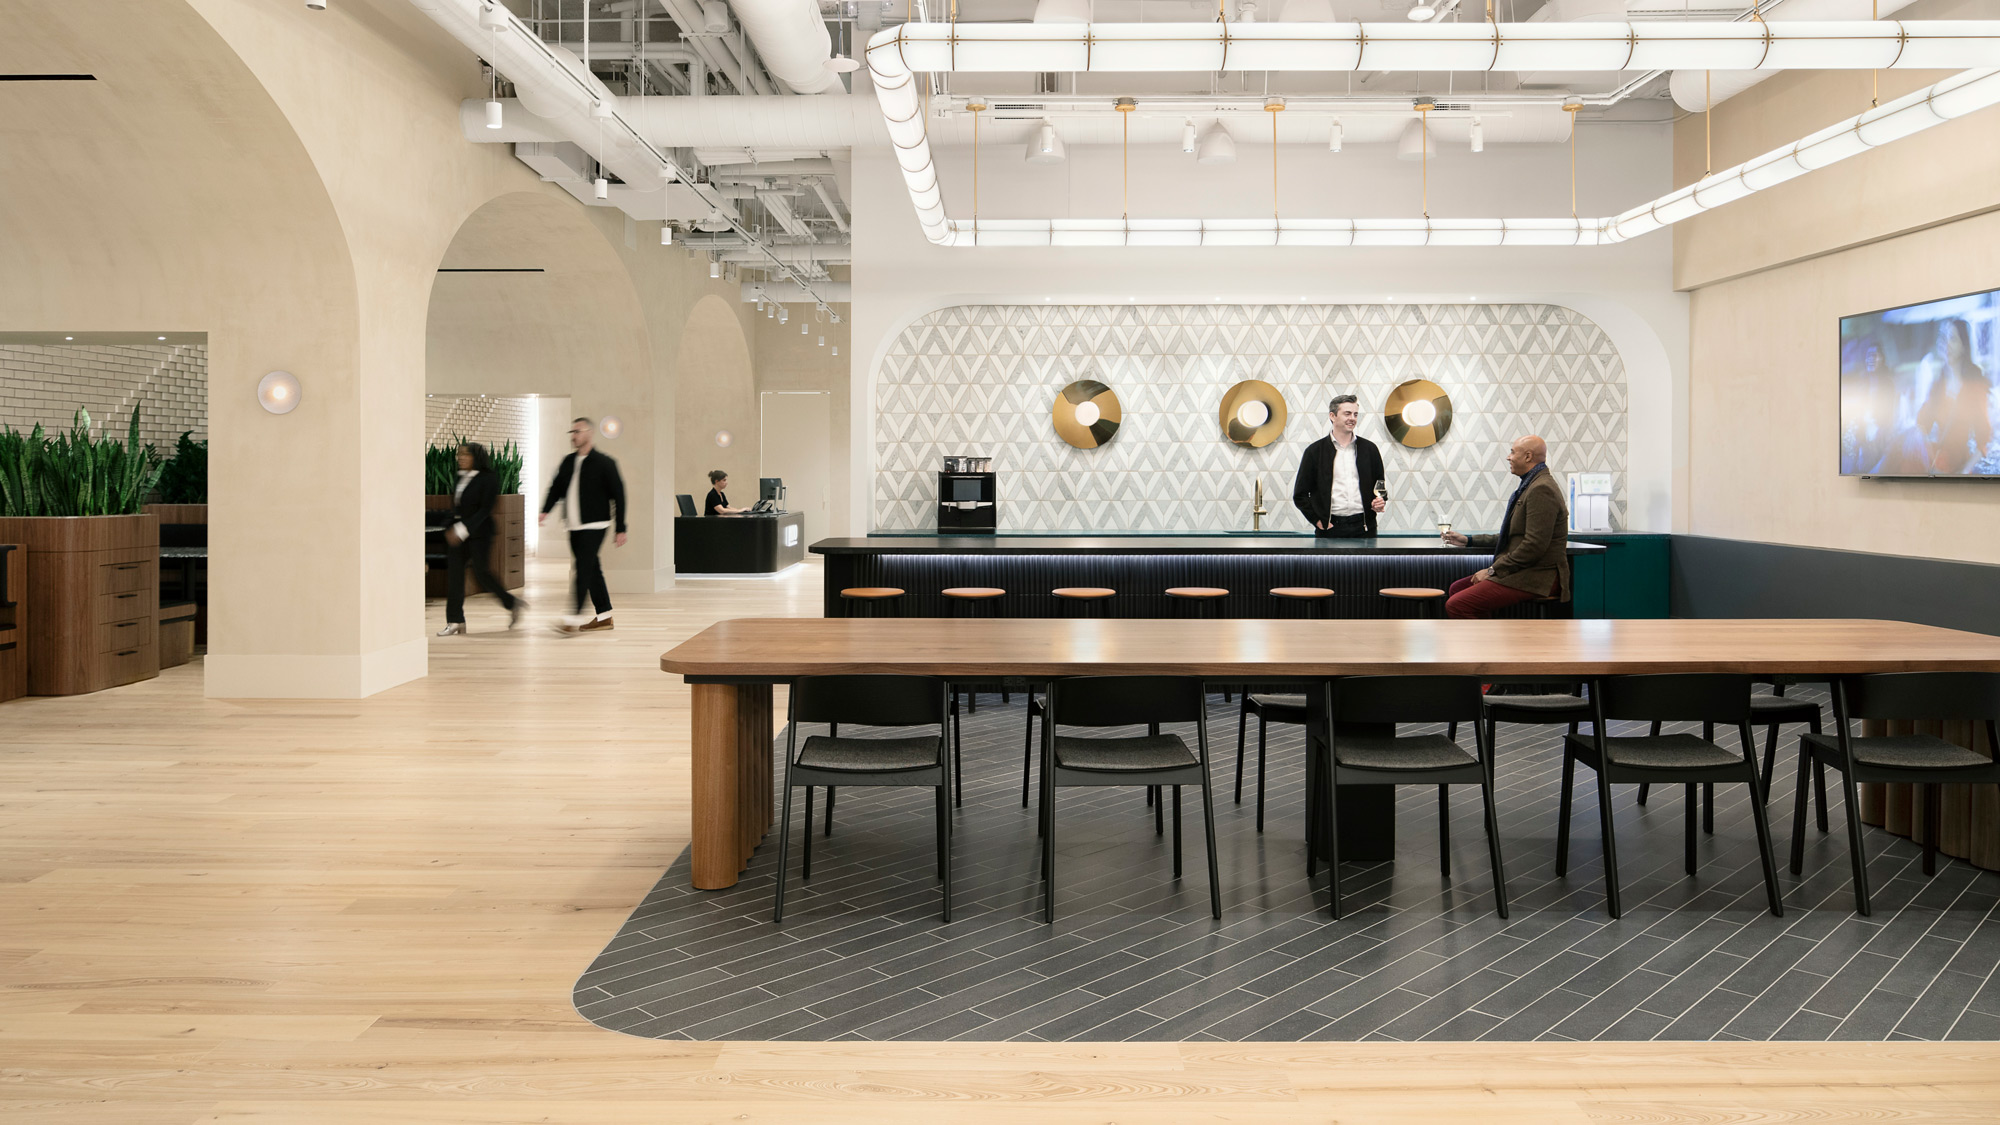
(1531, 553)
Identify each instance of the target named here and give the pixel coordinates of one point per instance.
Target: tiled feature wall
(979, 379)
(45, 383)
(488, 419)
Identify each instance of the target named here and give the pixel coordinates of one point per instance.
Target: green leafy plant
(441, 467)
(75, 474)
(184, 478)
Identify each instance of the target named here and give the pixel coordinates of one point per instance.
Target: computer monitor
(771, 488)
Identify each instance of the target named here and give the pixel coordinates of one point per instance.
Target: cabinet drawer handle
(128, 652)
(129, 566)
(126, 625)
(122, 597)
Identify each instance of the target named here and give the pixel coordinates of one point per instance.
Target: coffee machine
(968, 496)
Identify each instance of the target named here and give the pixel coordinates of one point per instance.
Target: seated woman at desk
(717, 504)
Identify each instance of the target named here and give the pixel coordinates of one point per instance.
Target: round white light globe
(723, 438)
(610, 426)
(1087, 414)
(1422, 412)
(1253, 413)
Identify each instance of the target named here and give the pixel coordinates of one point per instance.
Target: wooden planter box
(510, 547)
(93, 600)
(13, 621)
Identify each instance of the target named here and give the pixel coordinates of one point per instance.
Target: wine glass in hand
(1381, 495)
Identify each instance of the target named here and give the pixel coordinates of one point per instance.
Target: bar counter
(1141, 567)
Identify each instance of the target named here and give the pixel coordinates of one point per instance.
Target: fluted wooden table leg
(731, 756)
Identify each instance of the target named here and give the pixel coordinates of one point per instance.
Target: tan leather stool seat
(975, 593)
(871, 593)
(1084, 593)
(1197, 592)
(1301, 593)
(1412, 593)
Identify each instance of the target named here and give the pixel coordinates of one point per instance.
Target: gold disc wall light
(1418, 413)
(1086, 414)
(1252, 413)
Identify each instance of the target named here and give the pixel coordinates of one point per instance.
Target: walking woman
(469, 539)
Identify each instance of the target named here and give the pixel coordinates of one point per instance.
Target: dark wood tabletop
(779, 648)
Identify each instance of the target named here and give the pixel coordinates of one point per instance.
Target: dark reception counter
(1141, 567)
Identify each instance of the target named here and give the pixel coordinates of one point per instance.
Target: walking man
(588, 487)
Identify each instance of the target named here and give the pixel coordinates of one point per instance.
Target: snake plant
(75, 474)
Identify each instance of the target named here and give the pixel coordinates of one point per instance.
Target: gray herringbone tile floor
(1135, 955)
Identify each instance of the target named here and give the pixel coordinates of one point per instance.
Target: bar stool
(1430, 601)
(969, 601)
(1204, 599)
(1090, 598)
(874, 598)
(1318, 600)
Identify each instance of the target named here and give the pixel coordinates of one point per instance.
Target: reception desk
(1142, 567)
(738, 544)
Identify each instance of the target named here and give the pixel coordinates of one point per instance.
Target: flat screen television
(1920, 389)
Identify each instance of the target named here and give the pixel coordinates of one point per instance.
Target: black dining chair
(1910, 759)
(917, 760)
(1720, 699)
(1771, 710)
(1422, 759)
(1156, 760)
(1268, 708)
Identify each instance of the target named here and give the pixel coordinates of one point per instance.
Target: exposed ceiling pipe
(826, 197)
(686, 15)
(556, 86)
(1696, 90)
(792, 40)
(832, 292)
(733, 250)
(781, 211)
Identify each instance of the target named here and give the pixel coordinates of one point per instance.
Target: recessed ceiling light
(1422, 10)
(163, 337)
(69, 337)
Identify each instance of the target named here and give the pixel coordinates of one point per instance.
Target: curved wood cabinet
(92, 600)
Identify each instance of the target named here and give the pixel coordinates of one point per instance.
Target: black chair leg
(1330, 794)
(1028, 749)
(1493, 839)
(1759, 817)
(806, 850)
(1562, 813)
(1806, 761)
(1159, 812)
(1688, 862)
(1262, 729)
(785, 847)
(1819, 782)
(1855, 850)
(1708, 806)
(944, 848)
(1646, 788)
(1177, 831)
(1931, 810)
(1610, 847)
(1770, 760)
(1242, 728)
(1208, 830)
(1444, 831)
(1048, 827)
(829, 810)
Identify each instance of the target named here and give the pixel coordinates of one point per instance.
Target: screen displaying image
(1920, 389)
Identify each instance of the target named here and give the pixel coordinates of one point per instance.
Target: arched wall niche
(716, 391)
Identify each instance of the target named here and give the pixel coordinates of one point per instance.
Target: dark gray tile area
(1135, 955)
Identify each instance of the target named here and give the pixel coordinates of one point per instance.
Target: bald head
(1526, 453)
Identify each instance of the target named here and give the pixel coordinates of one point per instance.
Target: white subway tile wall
(979, 380)
(490, 420)
(45, 383)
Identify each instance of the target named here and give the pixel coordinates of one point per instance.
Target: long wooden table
(733, 664)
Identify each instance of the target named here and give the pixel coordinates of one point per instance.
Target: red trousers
(1468, 599)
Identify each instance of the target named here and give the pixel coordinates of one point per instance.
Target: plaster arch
(716, 390)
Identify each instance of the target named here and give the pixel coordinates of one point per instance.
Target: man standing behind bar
(1335, 489)
(1531, 553)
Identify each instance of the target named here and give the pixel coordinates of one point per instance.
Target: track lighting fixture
(601, 110)
(493, 114)
(714, 268)
(760, 302)
(805, 329)
(1187, 136)
(822, 341)
(1216, 147)
(1478, 135)
(316, 5)
(601, 188)
(836, 349)
(784, 314)
(666, 234)
(1047, 147)
(492, 17)
(1333, 139)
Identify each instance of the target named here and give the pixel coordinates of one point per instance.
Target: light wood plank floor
(319, 912)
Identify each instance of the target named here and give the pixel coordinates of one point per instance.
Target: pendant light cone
(1216, 146)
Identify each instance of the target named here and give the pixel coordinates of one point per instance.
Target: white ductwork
(785, 292)
(827, 252)
(1696, 90)
(792, 40)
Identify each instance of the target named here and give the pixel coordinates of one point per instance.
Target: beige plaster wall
(1770, 277)
(718, 391)
(789, 361)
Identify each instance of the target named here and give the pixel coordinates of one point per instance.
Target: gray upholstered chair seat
(1905, 752)
(1666, 752)
(870, 755)
(1776, 708)
(1281, 708)
(1415, 752)
(1538, 704)
(1120, 755)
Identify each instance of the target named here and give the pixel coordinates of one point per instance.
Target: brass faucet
(1257, 510)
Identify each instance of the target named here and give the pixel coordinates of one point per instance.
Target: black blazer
(474, 506)
(715, 500)
(1313, 490)
(600, 488)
